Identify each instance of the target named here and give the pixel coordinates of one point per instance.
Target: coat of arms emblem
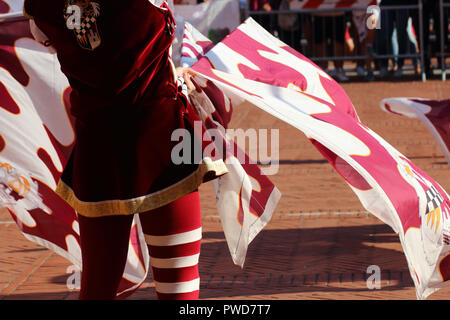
(81, 16)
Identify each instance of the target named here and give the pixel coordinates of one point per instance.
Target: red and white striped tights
(173, 235)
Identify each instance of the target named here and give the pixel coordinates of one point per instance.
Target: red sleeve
(119, 41)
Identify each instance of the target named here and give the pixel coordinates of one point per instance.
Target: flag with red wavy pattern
(434, 114)
(245, 197)
(259, 68)
(36, 138)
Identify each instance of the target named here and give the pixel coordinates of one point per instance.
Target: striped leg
(173, 234)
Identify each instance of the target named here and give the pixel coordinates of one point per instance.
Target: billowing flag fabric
(245, 197)
(435, 115)
(36, 138)
(253, 64)
(194, 46)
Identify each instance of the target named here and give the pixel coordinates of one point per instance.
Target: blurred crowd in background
(397, 37)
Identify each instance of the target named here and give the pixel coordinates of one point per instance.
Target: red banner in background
(320, 4)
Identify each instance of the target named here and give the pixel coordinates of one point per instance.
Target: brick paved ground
(319, 242)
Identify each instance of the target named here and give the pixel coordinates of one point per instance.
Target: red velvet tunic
(125, 102)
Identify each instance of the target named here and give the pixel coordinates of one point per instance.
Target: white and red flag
(194, 45)
(434, 114)
(245, 197)
(257, 67)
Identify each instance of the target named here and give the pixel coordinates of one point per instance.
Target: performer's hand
(187, 73)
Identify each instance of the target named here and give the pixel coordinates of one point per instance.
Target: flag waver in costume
(107, 175)
(37, 139)
(37, 135)
(254, 65)
(250, 64)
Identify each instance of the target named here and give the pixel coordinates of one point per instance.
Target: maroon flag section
(434, 114)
